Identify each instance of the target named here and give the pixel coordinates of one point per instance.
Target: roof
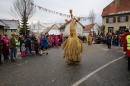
(54, 26)
(88, 27)
(117, 7)
(63, 26)
(3, 24)
(13, 24)
(47, 30)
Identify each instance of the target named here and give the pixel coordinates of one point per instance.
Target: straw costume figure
(89, 39)
(72, 46)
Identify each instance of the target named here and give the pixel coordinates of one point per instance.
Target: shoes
(46, 53)
(1, 63)
(13, 60)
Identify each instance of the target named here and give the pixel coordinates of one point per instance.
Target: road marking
(92, 73)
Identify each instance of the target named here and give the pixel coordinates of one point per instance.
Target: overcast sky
(79, 7)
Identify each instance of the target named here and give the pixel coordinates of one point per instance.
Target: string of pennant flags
(59, 13)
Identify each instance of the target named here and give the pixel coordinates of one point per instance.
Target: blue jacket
(44, 42)
(109, 38)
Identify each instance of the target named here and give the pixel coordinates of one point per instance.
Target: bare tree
(92, 17)
(23, 10)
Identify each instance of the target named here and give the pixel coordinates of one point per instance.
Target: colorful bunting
(61, 14)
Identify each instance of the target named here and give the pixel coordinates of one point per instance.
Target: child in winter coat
(23, 50)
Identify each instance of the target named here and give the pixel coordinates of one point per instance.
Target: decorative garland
(59, 13)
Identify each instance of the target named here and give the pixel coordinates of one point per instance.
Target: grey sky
(79, 7)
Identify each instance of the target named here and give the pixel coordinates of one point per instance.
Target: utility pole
(25, 19)
(92, 27)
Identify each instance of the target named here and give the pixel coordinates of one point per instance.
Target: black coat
(1, 48)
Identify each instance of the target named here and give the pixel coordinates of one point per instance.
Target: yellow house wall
(9, 33)
(115, 25)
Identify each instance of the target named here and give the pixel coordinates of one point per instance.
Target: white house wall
(85, 33)
(79, 29)
(96, 29)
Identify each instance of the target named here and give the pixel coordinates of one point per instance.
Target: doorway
(110, 29)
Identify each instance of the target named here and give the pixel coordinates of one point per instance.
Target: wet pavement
(52, 70)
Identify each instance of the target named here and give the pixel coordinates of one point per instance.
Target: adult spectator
(124, 40)
(12, 46)
(109, 40)
(27, 45)
(5, 42)
(1, 49)
(45, 43)
(127, 48)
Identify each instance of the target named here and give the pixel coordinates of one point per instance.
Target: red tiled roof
(88, 27)
(116, 6)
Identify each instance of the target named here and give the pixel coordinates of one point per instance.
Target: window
(122, 29)
(111, 20)
(13, 30)
(110, 29)
(5, 30)
(123, 19)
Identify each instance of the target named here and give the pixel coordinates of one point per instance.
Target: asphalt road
(52, 70)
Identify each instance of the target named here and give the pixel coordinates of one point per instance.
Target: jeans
(12, 50)
(109, 45)
(27, 51)
(0, 58)
(16, 53)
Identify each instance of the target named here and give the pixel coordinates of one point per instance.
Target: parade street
(99, 67)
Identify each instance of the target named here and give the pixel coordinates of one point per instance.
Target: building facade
(116, 16)
(13, 27)
(2, 27)
(93, 28)
(65, 29)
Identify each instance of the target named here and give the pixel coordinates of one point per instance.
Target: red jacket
(124, 45)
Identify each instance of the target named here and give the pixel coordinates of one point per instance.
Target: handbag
(33, 52)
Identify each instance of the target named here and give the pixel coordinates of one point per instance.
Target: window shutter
(106, 20)
(118, 19)
(127, 18)
(114, 19)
